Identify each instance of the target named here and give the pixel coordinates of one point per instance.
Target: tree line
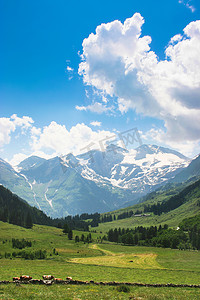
(174, 201)
(154, 236)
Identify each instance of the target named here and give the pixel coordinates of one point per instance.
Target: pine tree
(82, 238)
(76, 239)
(28, 221)
(66, 228)
(70, 234)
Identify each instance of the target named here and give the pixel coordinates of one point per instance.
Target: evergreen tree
(66, 228)
(28, 221)
(70, 234)
(82, 238)
(76, 239)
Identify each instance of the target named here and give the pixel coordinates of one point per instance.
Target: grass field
(24, 292)
(98, 262)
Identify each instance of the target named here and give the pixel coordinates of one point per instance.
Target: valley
(136, 246)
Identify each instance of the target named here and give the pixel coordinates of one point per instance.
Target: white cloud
(118, 62)
(9, 125)
(95, 123)
(69, 69)
(6, 127)
(19, 157)
(35, 131)
(159, 136)
(175, 39)
(188, 4)
(24, 122)
(58, 139)
(96, 107)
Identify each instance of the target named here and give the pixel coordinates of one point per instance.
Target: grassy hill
(186, 195)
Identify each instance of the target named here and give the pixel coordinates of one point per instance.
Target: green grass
(90, 262)
(94, 292)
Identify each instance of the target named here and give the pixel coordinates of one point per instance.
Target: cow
(58, 279)
(48, 277)
(69, 278)
(16, 278)
(25, 277)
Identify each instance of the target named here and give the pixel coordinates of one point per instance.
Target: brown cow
(58, 279)
(25, 277)
(16, 278)
(48, 277)
(69, 278)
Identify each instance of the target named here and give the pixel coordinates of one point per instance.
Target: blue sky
(41, 44)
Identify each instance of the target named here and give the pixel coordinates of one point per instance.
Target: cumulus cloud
(58, 139)
(159, 136)
(9, 125)
(118, 62)
(19, 157)
(16, 159)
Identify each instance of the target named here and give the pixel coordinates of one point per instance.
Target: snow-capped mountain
(94, 181)
(137, 170)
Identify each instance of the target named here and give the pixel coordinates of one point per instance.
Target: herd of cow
(45, 277)
(49, 279)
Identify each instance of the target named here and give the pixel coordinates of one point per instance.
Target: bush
(20, 244)
(123, 288)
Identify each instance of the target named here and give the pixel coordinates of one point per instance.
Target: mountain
(189, 173)
(94, 181)
(17, 211)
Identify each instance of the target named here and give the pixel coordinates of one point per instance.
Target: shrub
(123, 288)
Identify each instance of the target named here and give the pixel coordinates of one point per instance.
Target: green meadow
(94, 261)
(172, 218)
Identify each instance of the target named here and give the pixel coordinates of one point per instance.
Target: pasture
(98, 262)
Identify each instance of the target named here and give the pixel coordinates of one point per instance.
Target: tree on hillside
(70, 234)
(66, 228)
(77, 239)
(28, 221)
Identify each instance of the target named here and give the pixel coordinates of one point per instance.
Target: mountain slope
(15, 210)
(186, 201)
(192, 171)
(94, 181)
(59, 191)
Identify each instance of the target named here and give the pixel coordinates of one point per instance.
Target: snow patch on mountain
(34, 195)
(49, 201)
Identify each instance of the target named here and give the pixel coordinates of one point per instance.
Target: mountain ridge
(94, 181)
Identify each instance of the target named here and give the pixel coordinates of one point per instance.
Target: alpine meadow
(100, 150)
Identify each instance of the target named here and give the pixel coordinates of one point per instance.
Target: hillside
(178, 203)
(17, 211)
(191, 172)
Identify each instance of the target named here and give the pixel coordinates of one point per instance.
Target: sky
(74, 73)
